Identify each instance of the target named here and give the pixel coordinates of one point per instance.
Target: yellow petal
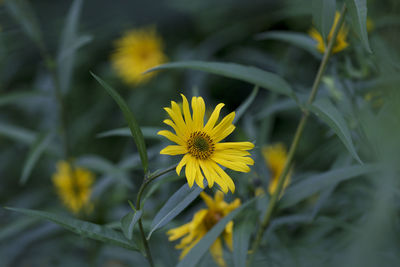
(199, 109)
(178, 232)
(225, 133)
(190, 171)
(234, 145)
(199, 177)
(207, 199)
(204, 167)
(236, 166)
(217, 252)
(213, 118)
(186, 113)
(182, 163)
(225, 177)
(217, 131)
(178, 120)
(172, 137)
(173, 150)
(228, 237)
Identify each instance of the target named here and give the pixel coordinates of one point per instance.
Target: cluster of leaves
(325, 216)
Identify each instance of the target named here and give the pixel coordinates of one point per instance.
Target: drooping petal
(212, 167)
(214, 117)
(182, 163)
(207, 199)
(173, 150)
(233, 158)
(199, 176)
(178, 232)
(224, 177)
(217, 252)
(206, 170)
(172, 137)
(190, 171)
(233, 165)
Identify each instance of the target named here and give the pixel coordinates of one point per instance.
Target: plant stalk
(293, 147)
(148, 179)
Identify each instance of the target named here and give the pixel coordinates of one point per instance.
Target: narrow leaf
(23, 13)
(131, 120)
(34, 154)
(323, 12)
(82, 228)
(248, 74)
(11, 98)
(327, 112)
(129, 221)
(314, 184)
(246, 104)
(300, 40)
(358, 13)
(195, 254)
(241, 238)
(175, 205)
(148, 132)
(17, 133)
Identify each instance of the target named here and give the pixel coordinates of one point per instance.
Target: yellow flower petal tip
(341, 39)
(135, 52)
(275, 157)
(202, 222)
(200, 142)
(74, 186)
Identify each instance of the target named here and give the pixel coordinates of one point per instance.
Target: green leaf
(10, 98)
(34, 154)
(323, 12)
(96, 163)
(358, 13)
(70, 43)
(246, 104)
(129, 221)
(248, 74)
(328, 113)
(314, 184)
(17, 133)
(241, 237)
(130, 118)
(23, 13)
(300, 40)
(148, 132)
(82, 228)
(175, 205)
(195, 254)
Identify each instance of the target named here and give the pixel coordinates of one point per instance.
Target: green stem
(146, 181)
(293, 147)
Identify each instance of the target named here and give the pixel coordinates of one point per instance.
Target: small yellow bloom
(275, 157)
(202, 222)
(202, 147)
(137, 51)
(73, 185)
(341, 42)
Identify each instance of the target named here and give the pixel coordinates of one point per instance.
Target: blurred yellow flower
(341, 39)
(370, 25)
(275, 157)
(202, 222)
(204, 153)
(135, 52)
(74, 186)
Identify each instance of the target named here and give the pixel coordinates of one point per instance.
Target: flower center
(200, 145)
(212, 218)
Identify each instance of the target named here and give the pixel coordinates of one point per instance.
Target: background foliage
(342, 205)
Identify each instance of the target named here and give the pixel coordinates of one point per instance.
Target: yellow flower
(202, 146)
(341, 42)
(73, 185)
(202, 222)
(137, 51)
(275, 157)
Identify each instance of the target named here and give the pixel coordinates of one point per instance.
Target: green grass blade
(328, 113)
(175, 205)
(314, 184)
(246, 104)
(34, 154)
(148, 133)
(11, 98)
(300, 40)
(241, 238)
(248, 74)
(129, 221)
(82, 228)
(358, 13)
(323, 13)
(131, 120)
